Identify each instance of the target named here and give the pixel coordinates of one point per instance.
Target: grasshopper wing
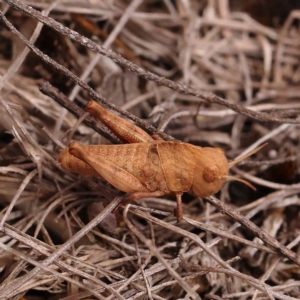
(178, 162)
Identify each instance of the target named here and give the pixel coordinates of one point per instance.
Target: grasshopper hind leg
(124, 130)
(136, 196)
(141, 195)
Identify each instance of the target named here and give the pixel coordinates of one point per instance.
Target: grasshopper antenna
(247, 155)
(241, 159)
(232, 178)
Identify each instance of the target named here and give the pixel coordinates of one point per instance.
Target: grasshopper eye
(210, 174)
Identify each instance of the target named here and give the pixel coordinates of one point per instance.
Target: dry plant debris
(204, 72)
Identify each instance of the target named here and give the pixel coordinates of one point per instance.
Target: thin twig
(264, 236)
(47, 89)
(210, 98)
(6, 291)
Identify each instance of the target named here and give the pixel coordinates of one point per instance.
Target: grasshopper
(148, 166)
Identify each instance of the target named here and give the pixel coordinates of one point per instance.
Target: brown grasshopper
(149, 166)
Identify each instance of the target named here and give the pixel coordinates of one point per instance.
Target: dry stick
(211, 98)
(52, 92)
(250, 225)
(155, 252)
(6, 291)
(17, 195)
(91, 66)
(275, 262)
(14, 67)
(139, 258)
(133, 277)
(74, 78)
(280, 44)
(277, 161)
(263, 182)
(261, 204)
(250, 280)
(46, 250)
(18, 235)
(215, 240)
(51, 271)
(265, 138)
(264, 236)
(225, 234)
(147, 75)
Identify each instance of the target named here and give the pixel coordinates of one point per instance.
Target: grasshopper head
(210, 173)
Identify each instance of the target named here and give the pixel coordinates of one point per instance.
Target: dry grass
(214, 77)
